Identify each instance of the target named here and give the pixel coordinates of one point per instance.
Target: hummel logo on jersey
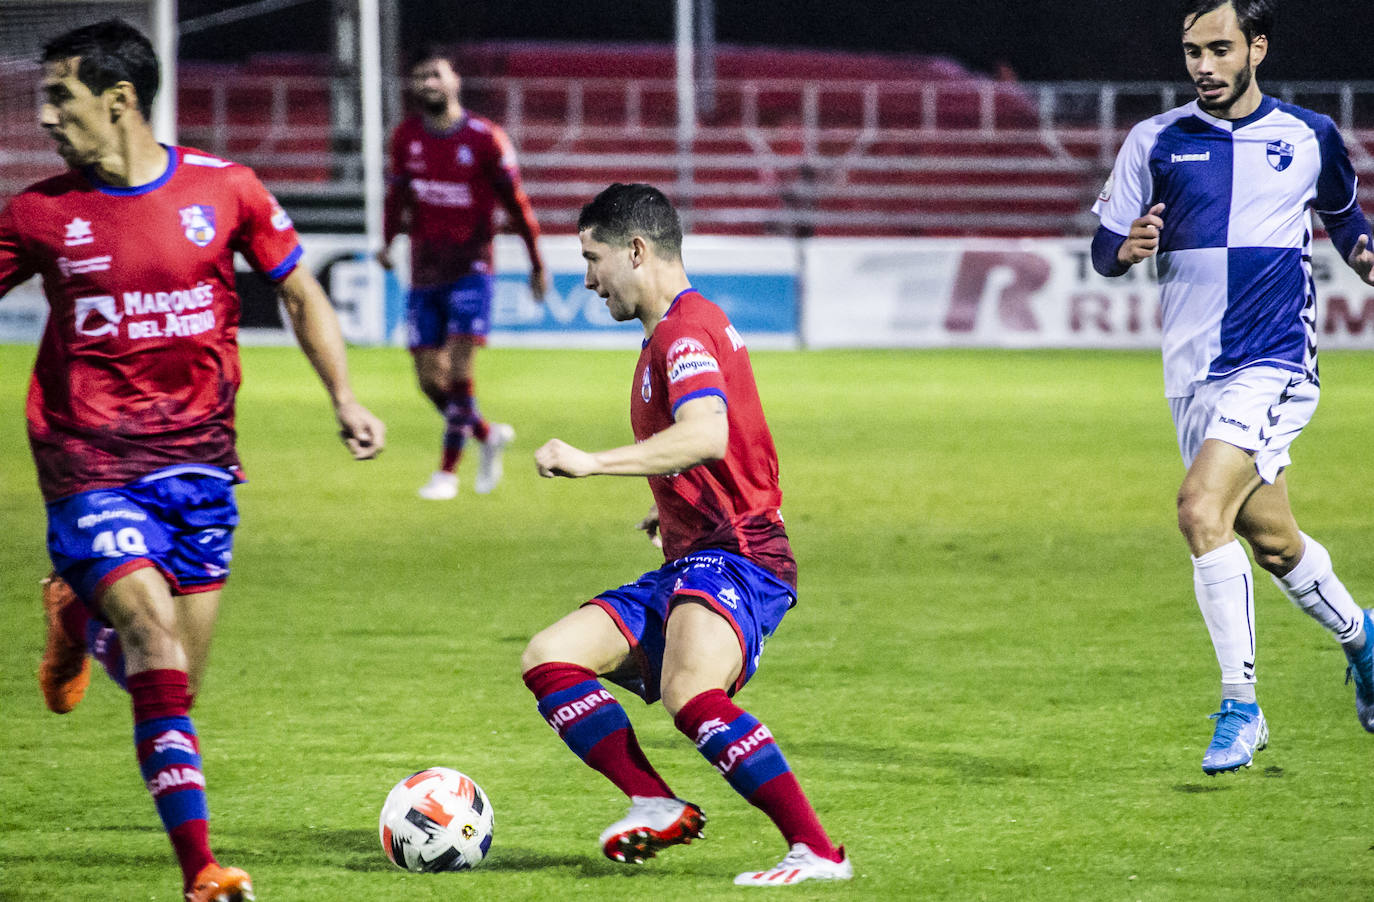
(1190, 157)
(78, 232)
(1279, 154)
(710, 728)
(198, 224)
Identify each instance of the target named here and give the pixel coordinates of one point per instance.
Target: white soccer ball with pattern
(436, 820)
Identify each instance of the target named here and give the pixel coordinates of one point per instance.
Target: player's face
(79, 121)
(434, 84)
(1221, 62)
(611, 274)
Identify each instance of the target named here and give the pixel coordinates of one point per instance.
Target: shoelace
(794, 859)
(1229, 725)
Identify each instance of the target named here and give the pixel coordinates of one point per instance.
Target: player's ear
(121, 98)
(1259, 49)
(639, 250)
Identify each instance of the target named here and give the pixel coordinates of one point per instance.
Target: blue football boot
(1361, 670)
(1240, 733)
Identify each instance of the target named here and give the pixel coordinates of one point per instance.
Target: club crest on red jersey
(198, 224)
(646, 388)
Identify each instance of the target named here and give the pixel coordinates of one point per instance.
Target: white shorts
(1260, 408)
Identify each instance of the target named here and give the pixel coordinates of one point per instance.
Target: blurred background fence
(787, 142)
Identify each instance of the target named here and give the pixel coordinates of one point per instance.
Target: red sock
(744, 751)
(600, 734)
(463, 396)
(169, 759)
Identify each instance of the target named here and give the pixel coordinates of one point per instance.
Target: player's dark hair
(622, 211)
(1255, 17)
(111, 51)
(431, 51)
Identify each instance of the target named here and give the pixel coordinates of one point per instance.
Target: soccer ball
(436, 820)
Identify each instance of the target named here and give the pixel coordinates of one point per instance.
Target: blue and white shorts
(1260, 409)
(434, 315)
(180, 520)
(750, 598)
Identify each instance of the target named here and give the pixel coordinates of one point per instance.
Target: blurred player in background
(1218, 191)
(449, 170)
(131, 404)
(692, 631)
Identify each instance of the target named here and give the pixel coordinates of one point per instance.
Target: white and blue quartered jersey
(1234, 256)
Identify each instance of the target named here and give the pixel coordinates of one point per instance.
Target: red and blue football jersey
(443, 192)
(138, 366)
(730, 504)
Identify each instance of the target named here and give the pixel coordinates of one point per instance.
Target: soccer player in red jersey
(131, 403)
(449, 171)
(692, 631)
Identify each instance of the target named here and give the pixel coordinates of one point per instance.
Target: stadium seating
(787, 142)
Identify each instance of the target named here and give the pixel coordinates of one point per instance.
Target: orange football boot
(65, 672)
(220, 884)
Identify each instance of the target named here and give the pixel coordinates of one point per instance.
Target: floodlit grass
(994, 687)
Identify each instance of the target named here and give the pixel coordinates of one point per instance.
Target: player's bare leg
(560, 667)
(702, 657)
(64, 672)
(1301, 568)
(164, 643)
(432, 373)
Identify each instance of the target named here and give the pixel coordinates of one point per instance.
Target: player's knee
(144, 637)
(544, 648)
(1201, 521)
(1275, 552)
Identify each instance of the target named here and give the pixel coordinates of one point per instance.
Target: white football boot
(441, 487)
(499, 436)
(800, 864)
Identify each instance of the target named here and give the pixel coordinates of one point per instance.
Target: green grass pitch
(995, 685)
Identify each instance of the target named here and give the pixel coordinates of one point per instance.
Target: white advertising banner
(1027, 293)
(820, 293)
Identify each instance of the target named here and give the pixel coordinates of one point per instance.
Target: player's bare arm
(1361, 260)
(700, 434)
(1143, 240)
(317, 329)
(539, 282)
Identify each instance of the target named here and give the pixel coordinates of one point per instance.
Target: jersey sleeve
(396, 208)
(691, 365)
(1126, 195)
(504, 175)
(266, 237)
(1336, 182)
(15, 267)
